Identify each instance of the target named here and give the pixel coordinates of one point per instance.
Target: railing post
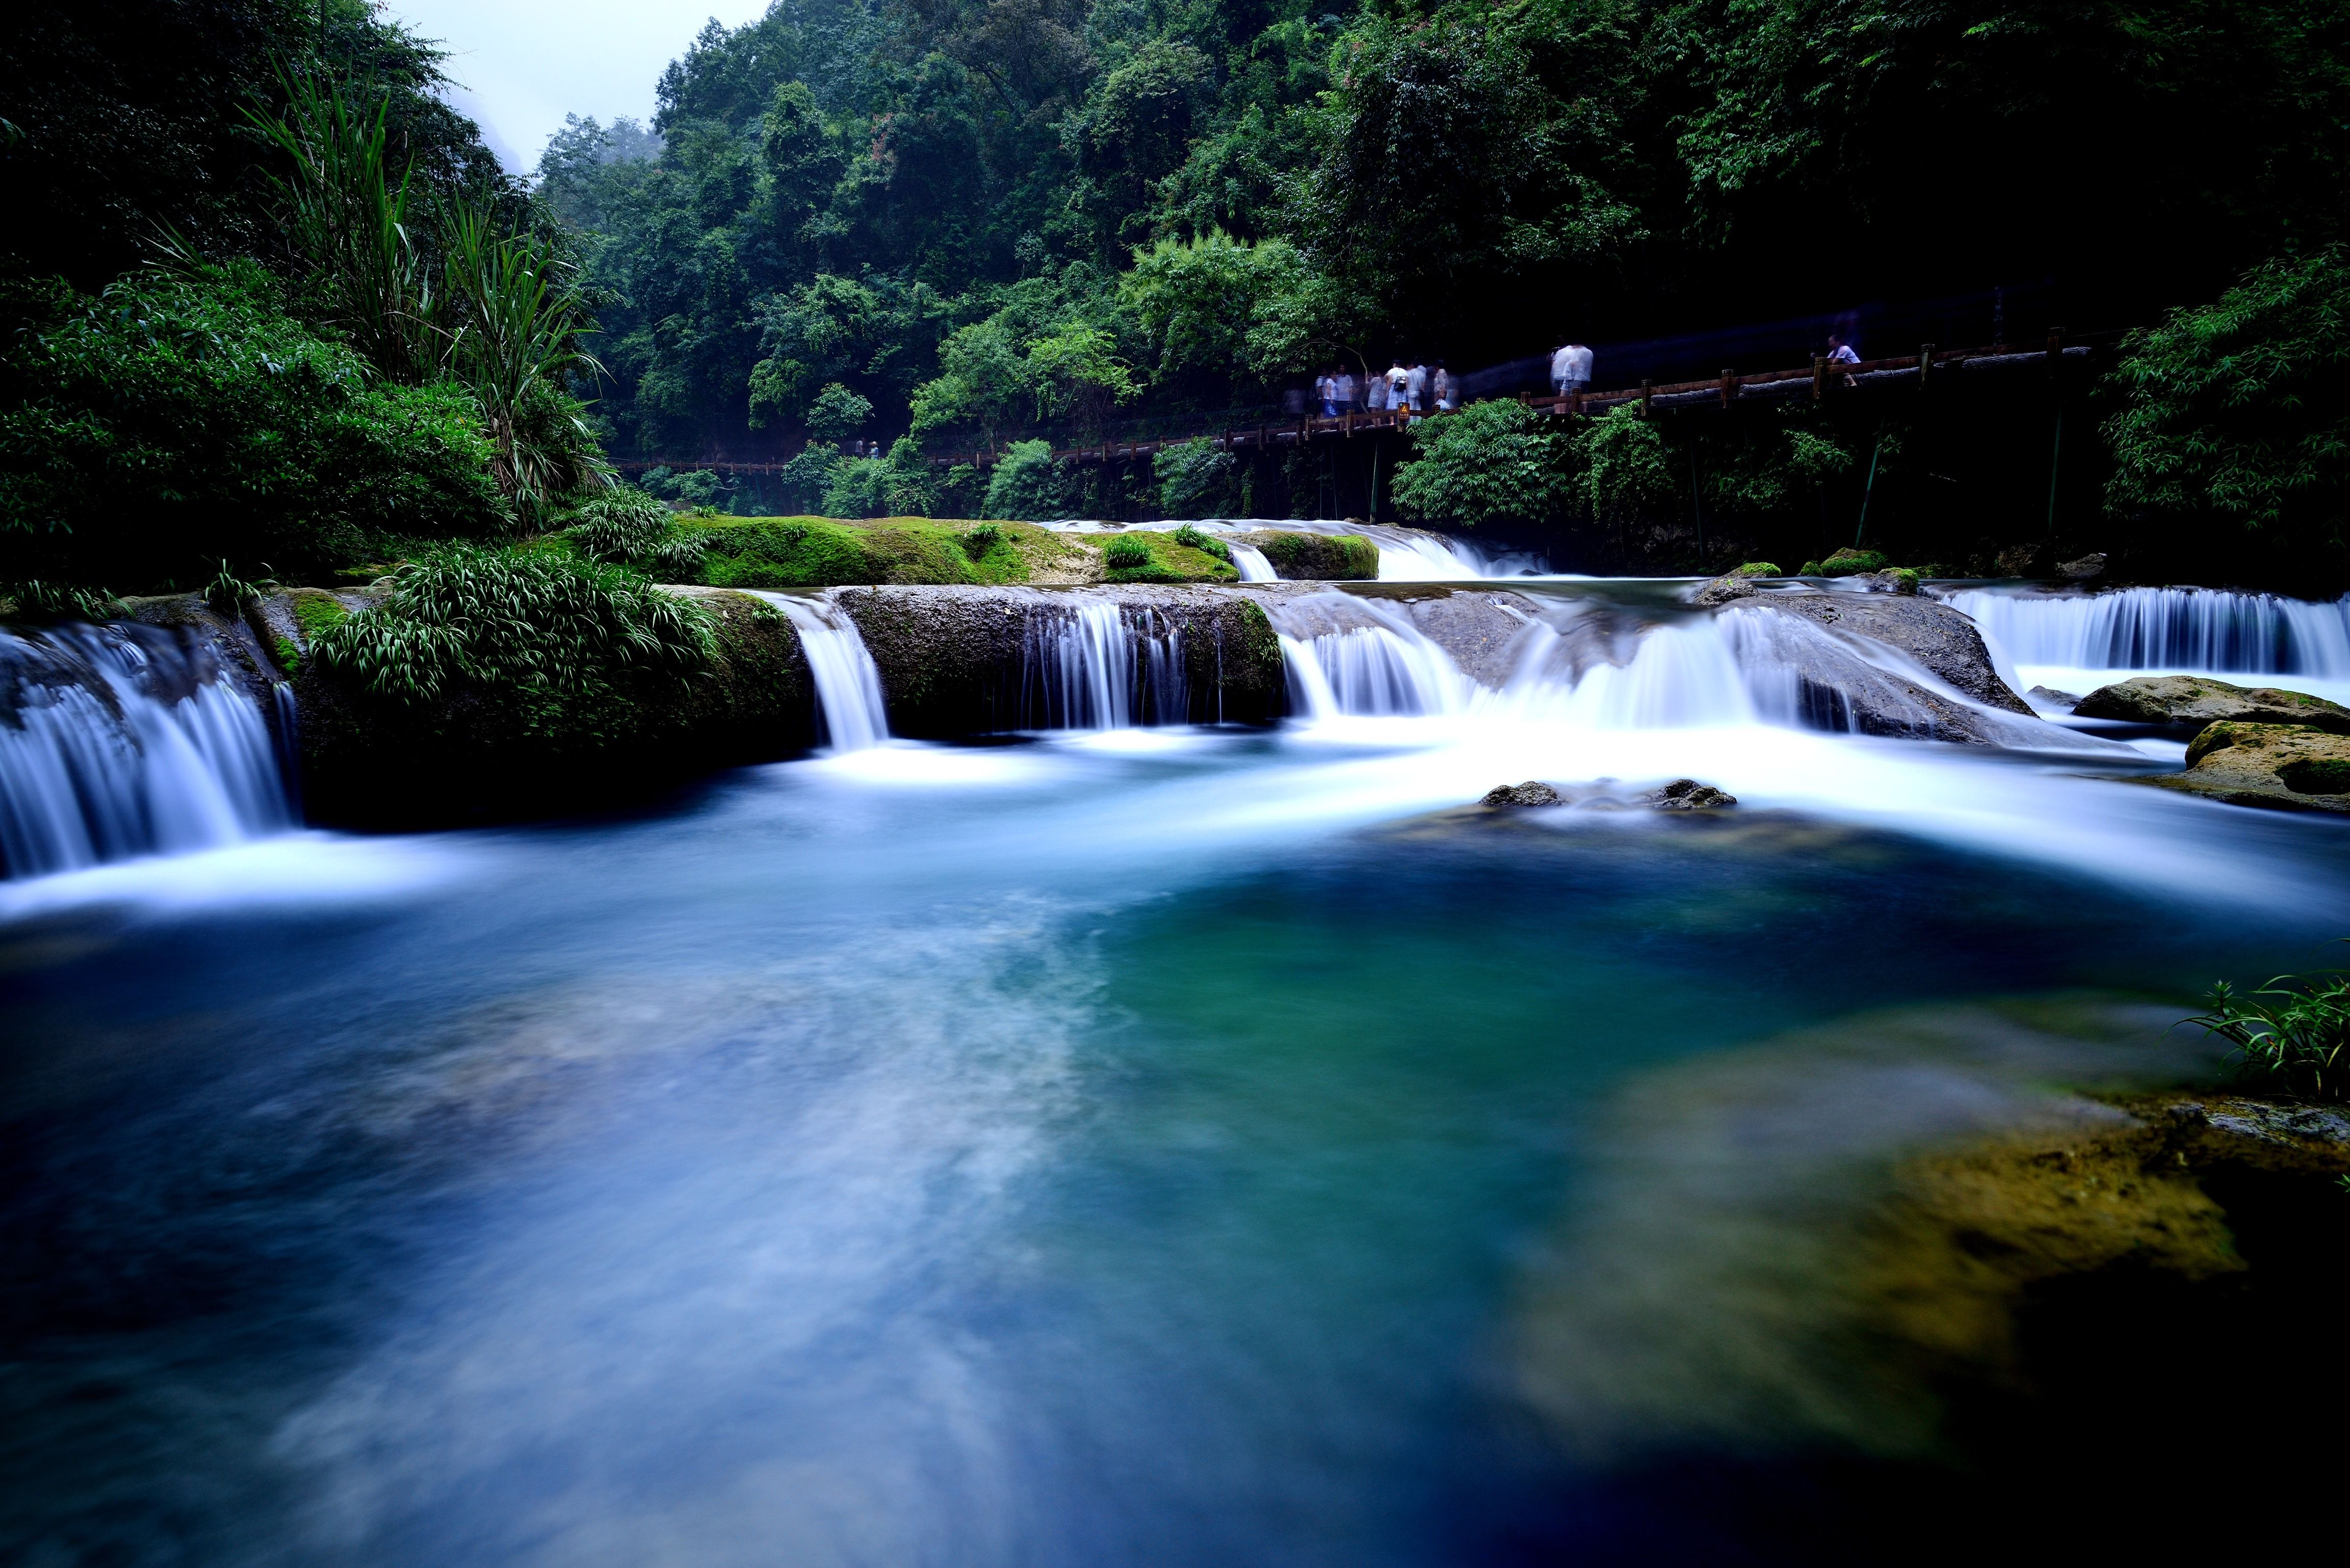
(1925, 363)
(1647, 392)
(1728, 385)
(1819, 376)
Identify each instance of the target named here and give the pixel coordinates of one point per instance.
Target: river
(1150, 1146)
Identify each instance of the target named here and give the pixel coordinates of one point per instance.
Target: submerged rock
(2089, 565)
(2287, 767)
(1533, 792)
(2050, 695)
(1938, 637)
(2200, 699)
(1722, 591)
(1688, 795)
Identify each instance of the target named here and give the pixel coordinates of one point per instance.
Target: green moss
(821, 552)
(2317, 776)
(289, 658)
(1160, 558)
(1319, 557)
(1847, 562)
(1758, 569)
(315, 611)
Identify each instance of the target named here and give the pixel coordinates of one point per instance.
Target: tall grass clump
(505, 623)
(627, 527)
(2290, 1033)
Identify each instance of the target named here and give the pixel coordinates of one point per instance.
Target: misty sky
(523, 65)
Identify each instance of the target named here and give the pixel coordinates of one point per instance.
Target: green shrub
(629, 528)
(1206, 544)
(838, 414)
(1196, 479)
(979, 541)
(1126, 552)
(542, 634)
(2293, 1041)
(2238, 413)
(897, 485)
(152, 431)
(1029, 486)
(1496, 460)
(1627, 475)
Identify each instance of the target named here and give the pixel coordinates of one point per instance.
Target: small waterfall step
(121, 740)
(2208, 629)
(850, 710)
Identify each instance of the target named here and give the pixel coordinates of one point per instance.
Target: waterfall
(122, 740)
(1089, 667)
(1407, 557)
(1250, 562)
(848, 702)
(1678, 678)
(1359, 658)
(2164, 628)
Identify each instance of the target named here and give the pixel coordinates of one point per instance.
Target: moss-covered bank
(498, 752)
(1318, 557)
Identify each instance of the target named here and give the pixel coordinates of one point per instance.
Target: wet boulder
(2289, 767)
(1533, 792)
(1943, 640)
(1688, 795)
(1723, 590)
(2200, 699)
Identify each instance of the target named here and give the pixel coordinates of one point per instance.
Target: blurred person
(1346, 387)
(1415, 387)
(1447, 394)
(1579, 369)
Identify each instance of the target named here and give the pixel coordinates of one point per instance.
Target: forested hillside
(983, 213)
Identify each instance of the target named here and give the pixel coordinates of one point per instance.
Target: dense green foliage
(1493, 462)
(626, 528)
(302, 316)
(2290, 1032)
(977, 213)
(176, 420)
(551, 635)
(2238, 413)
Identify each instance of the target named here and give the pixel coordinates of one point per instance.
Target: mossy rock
(823, 552)
(1756, 569)
(1318, 557)
(1161, 560)
(1846, 563)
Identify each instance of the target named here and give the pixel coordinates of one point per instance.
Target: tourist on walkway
(1415, 387)
(1346, 385)
(1448, 396)
(1399, 386)
(1578, 369)
(1841, 352)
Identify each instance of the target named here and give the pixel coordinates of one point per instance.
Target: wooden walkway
(1814, 382)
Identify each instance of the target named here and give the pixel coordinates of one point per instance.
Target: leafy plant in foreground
(2295, 1039)
(505, 619)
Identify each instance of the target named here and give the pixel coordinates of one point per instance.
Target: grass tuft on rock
(2290, 1033)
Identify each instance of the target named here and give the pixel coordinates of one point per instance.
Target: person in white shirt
(1446, 394)
(1399, 386)
(1840, 351)
(1578, 368)
(1415, 387)
(1346, 385)
(1562, 366)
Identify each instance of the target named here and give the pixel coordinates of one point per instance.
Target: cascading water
(2164, 628)
(1356, 657)
(1407, 557)
(1089, 667)
(1250, 562)
(1677, 677)
(120, 741)
(849, 701)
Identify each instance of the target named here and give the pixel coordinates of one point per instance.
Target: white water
(849, 701)
(1250, 562)
(116, 742)
(2075, 642)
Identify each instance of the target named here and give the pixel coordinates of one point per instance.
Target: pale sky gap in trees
(521, 65)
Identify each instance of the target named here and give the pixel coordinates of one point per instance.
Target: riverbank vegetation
(855, 238)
